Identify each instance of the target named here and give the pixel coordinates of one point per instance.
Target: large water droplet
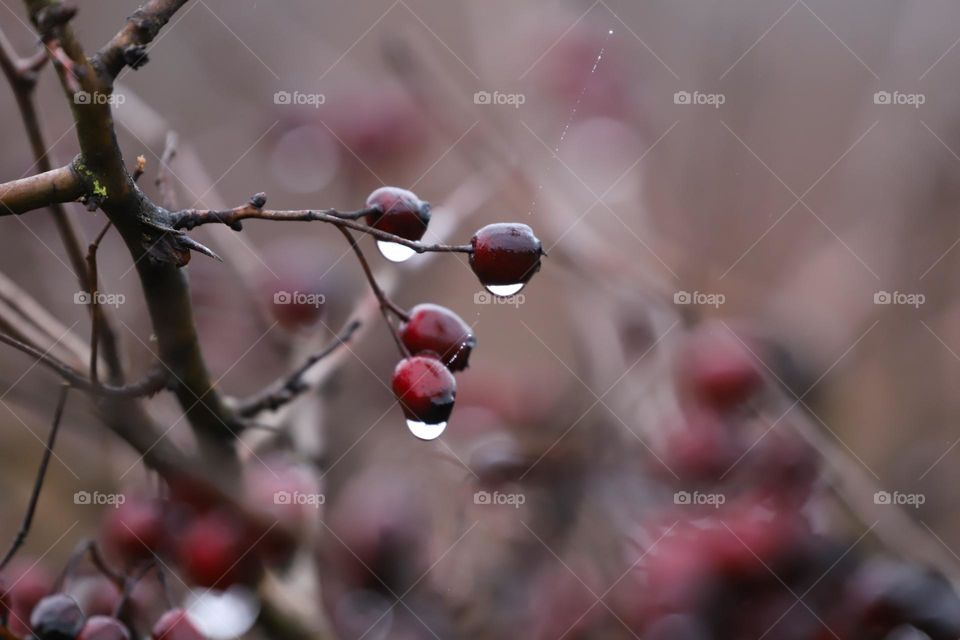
(426, 431)
(395, 252)
(223, 615)
(504, 290)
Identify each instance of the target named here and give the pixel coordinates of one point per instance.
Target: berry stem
(386, 306)
(21, 536)
(191, 218)
(82, 549)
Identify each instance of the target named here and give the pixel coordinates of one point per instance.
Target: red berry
(425, 388)
(435, 329)
(175, 625)
(135, 530)
(399, 212)
(717, 369)
(56, 617)
(505, 254)
(215, 551)
(103, 628)
(28, 583)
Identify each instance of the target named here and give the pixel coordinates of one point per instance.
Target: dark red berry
(135, 530)
(399, 212)
(103, 628)
(425, 388)
(175, 625)
(56, 617)
(505, 254)
(435, 329)
(717, 369)
(216, 551)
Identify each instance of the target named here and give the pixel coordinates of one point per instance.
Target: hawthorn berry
(437, 330)
(56, 617)
(175, 625)
(505, 256)
(215, 551)
(425, 389)
(135, 530)
(103, 628)
(399, 212)
(717, 369)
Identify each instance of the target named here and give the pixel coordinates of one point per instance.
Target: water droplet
(610, 33)
(395, 252)
(504, 290)
(426, 431)
(223, 615)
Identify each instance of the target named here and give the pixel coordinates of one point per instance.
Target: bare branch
(41, 190)
(21, 536)
(288, 389)
(128, 47)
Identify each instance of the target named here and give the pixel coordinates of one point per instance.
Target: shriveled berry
(505, 255)
(103, 628)
(717, 369)
(425, 389)
(56, 617)
(175, 625)
(436, 329)
(135, 530)
(399, 212)
(215, 551)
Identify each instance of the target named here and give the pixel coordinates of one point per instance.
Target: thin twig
(21, 536)
(153, 382)
(168, 195)
(191, 218)
(96, 312)
(287, 389)
(87, 546)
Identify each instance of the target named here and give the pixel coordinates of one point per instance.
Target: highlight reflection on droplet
(395, 252)
(426, 431)
(504, 290)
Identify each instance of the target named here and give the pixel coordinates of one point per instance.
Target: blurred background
(787, 170)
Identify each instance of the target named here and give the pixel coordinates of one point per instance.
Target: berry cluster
(434, 340)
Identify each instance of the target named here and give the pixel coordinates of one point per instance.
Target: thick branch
(35, 192)
(128, 46)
